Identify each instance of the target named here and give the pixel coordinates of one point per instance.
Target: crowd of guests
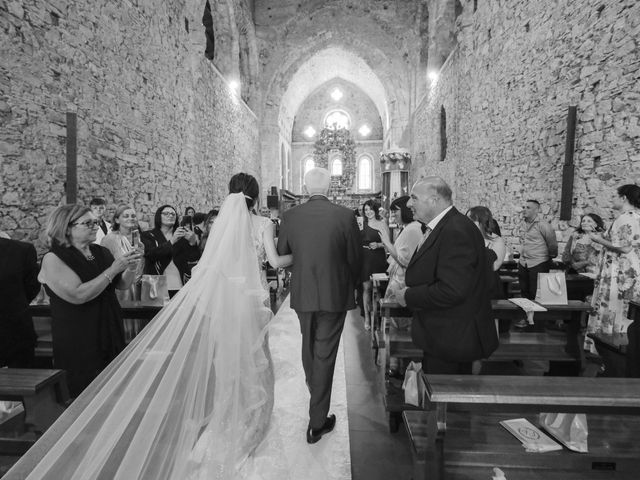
(85, 283)
(610, 255)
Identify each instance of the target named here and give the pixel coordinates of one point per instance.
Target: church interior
(146, 103)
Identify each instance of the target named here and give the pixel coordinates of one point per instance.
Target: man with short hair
(98, 206)
(448, 281)
(327, 255)
(538, 245)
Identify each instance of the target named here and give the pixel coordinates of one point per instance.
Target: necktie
(427, 231)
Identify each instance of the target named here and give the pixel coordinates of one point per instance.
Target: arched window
(309, 163)
(336, 167)
(337, 119)
(365, 174)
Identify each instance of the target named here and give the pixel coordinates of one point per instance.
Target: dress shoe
(314, 435)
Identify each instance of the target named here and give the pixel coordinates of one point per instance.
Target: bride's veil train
(186, 398)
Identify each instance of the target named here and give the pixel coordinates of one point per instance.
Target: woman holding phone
(124, 237)
(159, 243)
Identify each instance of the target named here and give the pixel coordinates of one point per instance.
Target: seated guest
(125, 237)
(158, 245)
(99, 207)
(581, 254)
(18, 286)
(618, 280)
(80, 278)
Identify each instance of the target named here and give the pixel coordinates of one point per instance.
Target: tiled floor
(376, 454)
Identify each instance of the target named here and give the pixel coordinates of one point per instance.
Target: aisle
(285, 453)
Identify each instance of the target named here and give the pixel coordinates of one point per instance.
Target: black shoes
(315, 435)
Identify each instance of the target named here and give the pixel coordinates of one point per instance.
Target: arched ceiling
(325, 65)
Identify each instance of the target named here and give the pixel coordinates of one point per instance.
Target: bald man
(448, 281)
(325, 241)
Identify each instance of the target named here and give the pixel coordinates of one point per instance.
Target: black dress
(86, 337)
(373, 261)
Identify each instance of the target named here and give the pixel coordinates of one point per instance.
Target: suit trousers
(321, 333)
(437, 366)
(528, 278)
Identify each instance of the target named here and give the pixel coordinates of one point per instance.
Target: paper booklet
(528, 305)
(532, 438)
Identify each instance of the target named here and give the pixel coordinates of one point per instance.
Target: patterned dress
(618, 281)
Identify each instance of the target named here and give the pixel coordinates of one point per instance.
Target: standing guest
(485, 222)
(18, 286)
(99, 207)
(374, 259)
(581, 254)
(207, 226)
(189, 212)
(402, 250)
(325, 243)
(123, 238)
(158, 244)
(538, 246)
(448, 282)
(80, 278)
(186, 251)
(619, 277)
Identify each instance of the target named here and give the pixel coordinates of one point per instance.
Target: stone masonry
(157, 122)
(506, 90)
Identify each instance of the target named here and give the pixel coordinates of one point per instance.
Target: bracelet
(108, 276)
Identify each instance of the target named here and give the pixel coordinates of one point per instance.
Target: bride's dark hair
(247, 184)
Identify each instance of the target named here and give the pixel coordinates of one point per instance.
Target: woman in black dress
(80, 278)
(374, 259)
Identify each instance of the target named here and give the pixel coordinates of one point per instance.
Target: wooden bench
(530, 346)
(613, 348)
(459, 433)
(44, 395)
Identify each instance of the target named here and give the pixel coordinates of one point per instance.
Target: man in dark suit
(325, 242)
(448, 281)
(18, 286)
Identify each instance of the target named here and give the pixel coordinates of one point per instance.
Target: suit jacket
(325, 241)
(18, 286)
(449, 280)
(157, 251)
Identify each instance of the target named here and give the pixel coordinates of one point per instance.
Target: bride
(191, 396)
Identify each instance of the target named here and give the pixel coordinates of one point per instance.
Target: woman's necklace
(88, 255)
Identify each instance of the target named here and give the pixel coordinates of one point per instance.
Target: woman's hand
(178, 234)
(128, 261)
(374, 245)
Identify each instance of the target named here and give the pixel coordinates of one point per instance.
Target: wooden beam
(568, 169)
(72, 159)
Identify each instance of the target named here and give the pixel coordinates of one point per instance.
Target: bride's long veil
(181, 400)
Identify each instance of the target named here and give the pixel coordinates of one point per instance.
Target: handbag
(552, 289)
(411, 384)
(570, 429)
(153, 290)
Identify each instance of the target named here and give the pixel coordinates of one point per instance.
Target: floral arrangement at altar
(340, 140)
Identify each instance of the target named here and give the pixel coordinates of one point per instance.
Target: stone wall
(156, 121)
(506, 90)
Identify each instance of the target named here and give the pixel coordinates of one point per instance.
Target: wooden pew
(44, 395)
(532, 346)
(458, 434)
(619, 355)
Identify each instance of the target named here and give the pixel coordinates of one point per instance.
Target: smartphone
(135, 239)
(187, 222)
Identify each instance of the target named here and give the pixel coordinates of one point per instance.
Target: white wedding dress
(191, 397)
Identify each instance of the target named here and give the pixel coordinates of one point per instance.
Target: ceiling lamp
(364, 130)
(309, 131)
(336, 94)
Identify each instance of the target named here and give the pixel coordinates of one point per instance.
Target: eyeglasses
(168, 214)
(88, 223)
